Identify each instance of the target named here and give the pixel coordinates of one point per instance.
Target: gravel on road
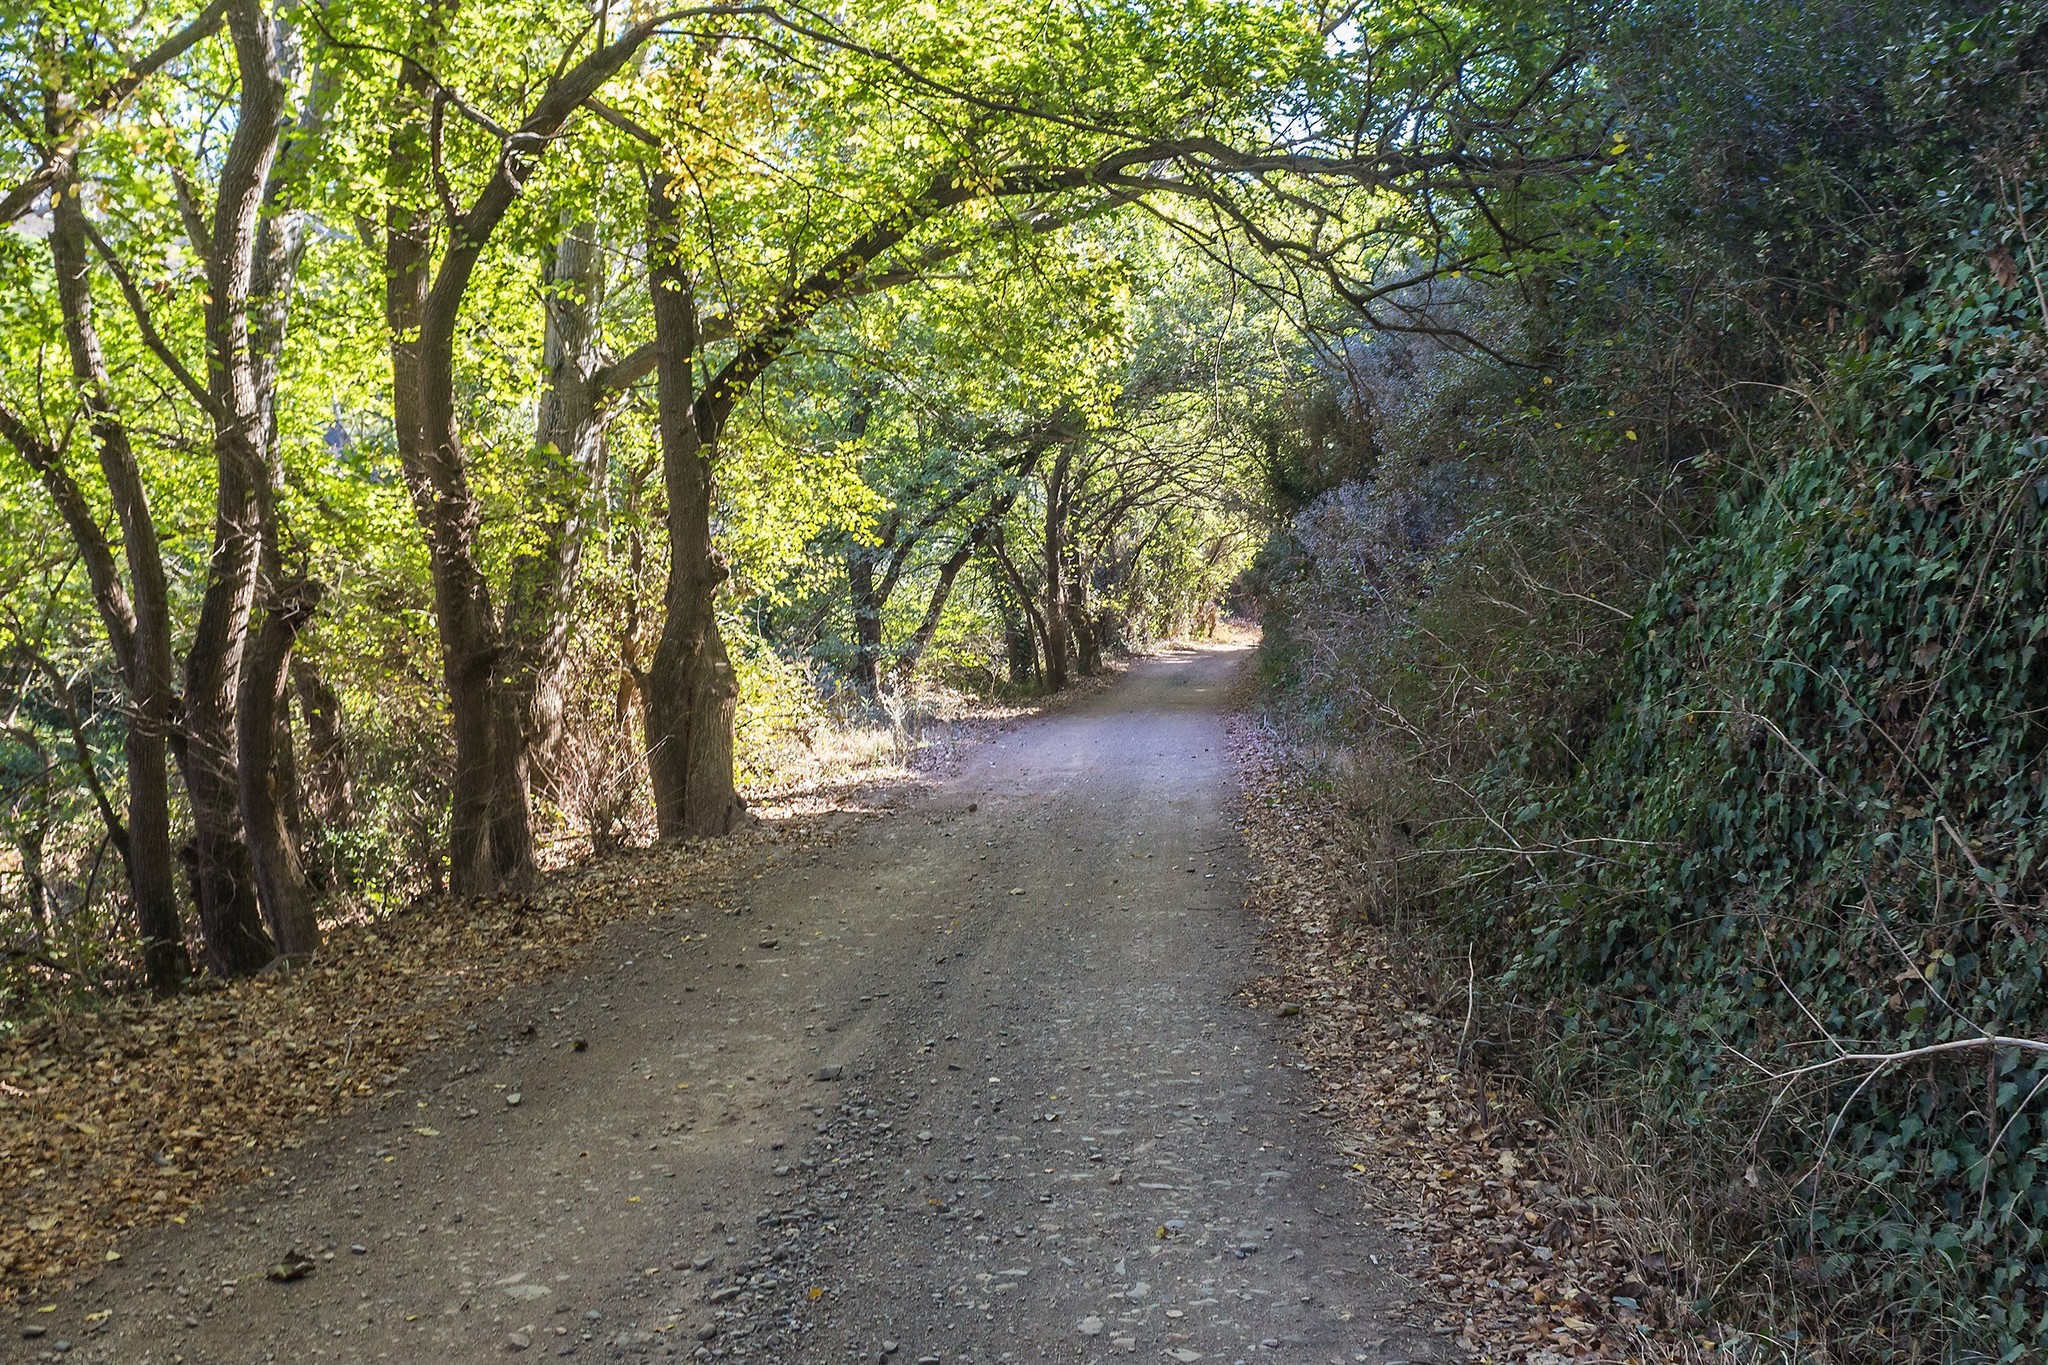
(965, 1081)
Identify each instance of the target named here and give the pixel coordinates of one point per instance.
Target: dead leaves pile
(1526, 1264)
(133, 1115)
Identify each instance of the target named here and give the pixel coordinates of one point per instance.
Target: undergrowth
(1706, 709)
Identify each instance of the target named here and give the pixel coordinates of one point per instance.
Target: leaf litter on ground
(138, 1112)
(1521, 1258)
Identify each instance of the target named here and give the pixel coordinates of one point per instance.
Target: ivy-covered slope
(1815, 825)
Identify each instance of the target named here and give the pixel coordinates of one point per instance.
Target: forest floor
(1542, 1247)
(968, 1076)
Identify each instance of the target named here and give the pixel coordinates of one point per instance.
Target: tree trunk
(571, 448)
(692, 693)
(935, 605)
(1081, 624)
(139, 630)
(490, 837)
(1020, 647)
(229, 915)
(1058, 641)
(629, 703)
(867, 619)
(864, 597)
(282, 887)
(1024, 643)
(984, 525)
(283, 605)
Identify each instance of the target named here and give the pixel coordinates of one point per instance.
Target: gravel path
(964, 1082)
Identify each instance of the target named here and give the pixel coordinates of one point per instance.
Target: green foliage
(1708, 815)
(1819, 812)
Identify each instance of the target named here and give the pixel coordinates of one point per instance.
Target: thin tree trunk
(864, 598)
(629, 706)
(1058, 642)
(935, 605)
(571, 442)
(978, 534)
(692, 694)
(139, 629)
(328, 789)
(1081, 623)
(1036, 632)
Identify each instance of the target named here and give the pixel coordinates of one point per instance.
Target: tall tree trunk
(139, 629)
(408, 274)
(229, 913)
(283, 604)
(490, 840)
(491, 844)
(571, 447)
(490, 837)
(692, 693)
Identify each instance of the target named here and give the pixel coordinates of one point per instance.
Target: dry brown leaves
(135, 1114)
(1528, 1264)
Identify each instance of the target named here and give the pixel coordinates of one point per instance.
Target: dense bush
(1816, 818)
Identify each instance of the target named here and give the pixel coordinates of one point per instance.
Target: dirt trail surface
(967, 1082)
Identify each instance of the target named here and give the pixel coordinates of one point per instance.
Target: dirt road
(966, 1083)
